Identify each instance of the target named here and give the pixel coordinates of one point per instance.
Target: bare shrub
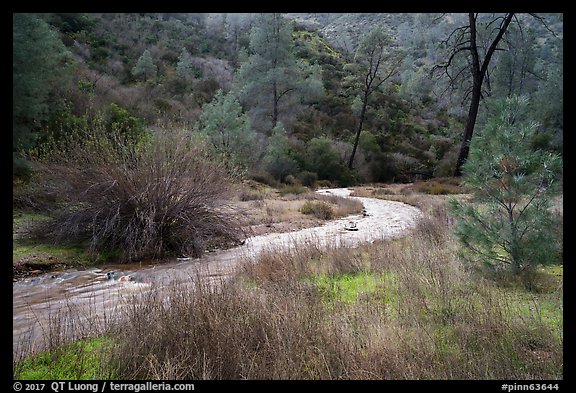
(152, 198)
(288, 266)
(246, 195)
(343, 206)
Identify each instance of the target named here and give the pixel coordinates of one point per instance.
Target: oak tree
(378, 61)
(465, 39)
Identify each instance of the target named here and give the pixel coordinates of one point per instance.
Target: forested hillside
(295, 81)
(288, 196)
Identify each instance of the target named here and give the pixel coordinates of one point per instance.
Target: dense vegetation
(293, 97)
(153, 69)
(132, 132)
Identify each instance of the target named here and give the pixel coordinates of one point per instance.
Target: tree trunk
(479, 70)
(469, 130)
(275, 106)
(359, 130)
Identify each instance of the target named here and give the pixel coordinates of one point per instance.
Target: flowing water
(84, 300)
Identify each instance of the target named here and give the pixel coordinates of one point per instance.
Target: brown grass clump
(428, 317)
(318, 209)
(341, 206)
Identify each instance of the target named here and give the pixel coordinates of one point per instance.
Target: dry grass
(426, 316)
(430, 319)
(266, 210)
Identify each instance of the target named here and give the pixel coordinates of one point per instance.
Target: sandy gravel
(383, 220)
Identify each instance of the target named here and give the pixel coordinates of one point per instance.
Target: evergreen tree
(228, 128)
(272, 79)
(278, 158)
(145, 66)
(185, 68)
(509, 223)
(38, 65)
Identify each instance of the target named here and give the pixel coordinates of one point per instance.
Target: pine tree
(145, 66)
(38, 65)
(185, 68)
(228, 128)
(509, 223)
(272, 79)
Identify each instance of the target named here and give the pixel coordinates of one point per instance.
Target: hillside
(288, 196)
(412, 126)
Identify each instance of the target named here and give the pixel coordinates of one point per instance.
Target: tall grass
(428, 318)
(71, 341)
(417, 313)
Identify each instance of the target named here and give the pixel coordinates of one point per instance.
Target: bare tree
(464, 39)
(379, 62)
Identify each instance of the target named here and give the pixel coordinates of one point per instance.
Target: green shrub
(324, 160)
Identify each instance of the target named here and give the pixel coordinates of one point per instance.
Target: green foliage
(323, 159)
(286, 72)
(271, 79)
(71, 23)
(510, 223)
(316, 47)
(185, 68)
(228, 129)
(120, 121)
(308, 178)
(39, 64)
(350, 288)
(80, 360)
(278, 157)
(145, 66)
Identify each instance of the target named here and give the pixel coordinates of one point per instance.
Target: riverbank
(261, 209)
(400, 308)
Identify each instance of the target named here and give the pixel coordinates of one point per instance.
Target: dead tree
(464, 39)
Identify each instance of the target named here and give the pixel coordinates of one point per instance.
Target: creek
(85, 300)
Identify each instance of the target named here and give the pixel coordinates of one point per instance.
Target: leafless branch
(543, 21)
